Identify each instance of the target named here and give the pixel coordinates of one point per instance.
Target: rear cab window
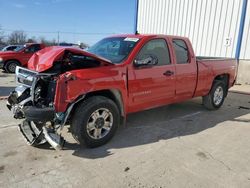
(181, 51)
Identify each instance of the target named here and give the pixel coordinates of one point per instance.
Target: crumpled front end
(32, 100)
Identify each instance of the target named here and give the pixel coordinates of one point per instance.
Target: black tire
(10, 66)
(82, 117)
(209, 101)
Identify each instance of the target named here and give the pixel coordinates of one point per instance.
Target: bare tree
(32, 40)
(17, 37)
(43, 40)
(1, 36)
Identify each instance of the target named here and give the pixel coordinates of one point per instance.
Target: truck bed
(209, 68)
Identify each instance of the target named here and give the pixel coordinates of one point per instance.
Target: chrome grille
(25, 76)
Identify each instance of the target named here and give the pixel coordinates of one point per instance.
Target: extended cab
(19, 56)
(94, 90)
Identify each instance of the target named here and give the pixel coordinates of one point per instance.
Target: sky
(95, 18)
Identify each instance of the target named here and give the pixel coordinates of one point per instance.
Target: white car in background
(10, 48)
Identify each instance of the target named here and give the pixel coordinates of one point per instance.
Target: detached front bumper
(40, 124)
(37, 134)
(31, 133)
(37, 126)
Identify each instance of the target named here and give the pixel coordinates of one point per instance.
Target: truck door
(151, 84)
(29, 51)
(186, 70)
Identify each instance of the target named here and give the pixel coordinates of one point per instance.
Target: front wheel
(95, 121)
(10, 66)
(216, 96)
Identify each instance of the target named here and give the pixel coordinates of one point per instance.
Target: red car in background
(19, 57)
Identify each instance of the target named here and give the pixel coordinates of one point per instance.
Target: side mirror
(147, 60)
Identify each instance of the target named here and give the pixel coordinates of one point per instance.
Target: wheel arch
(113, 94)
(6, 61)
(223, 78)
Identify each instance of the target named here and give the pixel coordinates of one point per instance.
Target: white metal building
(245, 47)
(215, 27)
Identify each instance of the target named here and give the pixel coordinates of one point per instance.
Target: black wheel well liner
(223, 78)
(113, 94)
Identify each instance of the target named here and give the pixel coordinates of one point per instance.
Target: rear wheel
(11, 65)
(216, 96)
(95, 121)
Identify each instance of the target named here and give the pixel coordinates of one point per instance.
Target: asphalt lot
(180, 145)
(7, 83)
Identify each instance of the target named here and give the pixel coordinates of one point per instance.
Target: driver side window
(157, 48)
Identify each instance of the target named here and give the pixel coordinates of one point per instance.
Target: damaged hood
(44, 59)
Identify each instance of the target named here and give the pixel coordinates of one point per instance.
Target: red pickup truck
(94, 90)
(19, 57)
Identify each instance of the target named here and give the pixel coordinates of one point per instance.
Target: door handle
(168, 73)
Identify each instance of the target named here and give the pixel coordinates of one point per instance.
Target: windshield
(115, 49)
(19, 48)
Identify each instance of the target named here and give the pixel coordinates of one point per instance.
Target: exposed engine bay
(33, 99)
(72, 61)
